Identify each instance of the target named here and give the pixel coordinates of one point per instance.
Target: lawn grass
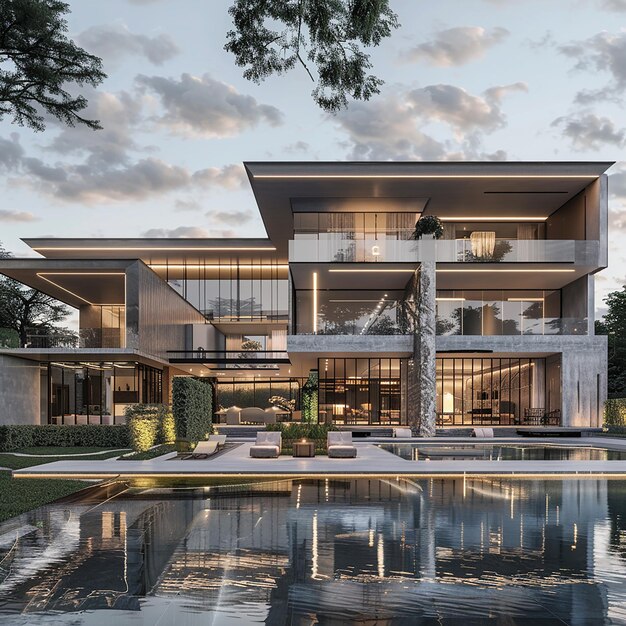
(152, 453)
(21, 495)
(19, 462)
(62, 451)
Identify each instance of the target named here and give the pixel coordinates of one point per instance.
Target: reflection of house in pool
(329, 548)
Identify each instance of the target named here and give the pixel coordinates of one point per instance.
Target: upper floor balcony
(482, 248)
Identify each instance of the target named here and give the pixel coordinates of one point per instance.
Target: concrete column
(422, 367)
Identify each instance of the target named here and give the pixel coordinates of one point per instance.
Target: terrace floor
(371, 461)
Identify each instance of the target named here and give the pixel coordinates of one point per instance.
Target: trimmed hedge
(149, 424)
(292, 431)
(192, 402)
(308, 400)
(615, 415)
(16, 436)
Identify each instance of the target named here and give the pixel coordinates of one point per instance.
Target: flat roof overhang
(515, 276)
(446, 189)
(84, 355)
(75, 282)
(154, 250)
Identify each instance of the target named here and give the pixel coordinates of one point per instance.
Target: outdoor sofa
(402, 433)
(340, 445)
(267, 445)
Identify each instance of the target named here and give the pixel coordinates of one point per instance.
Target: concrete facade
(19, 391)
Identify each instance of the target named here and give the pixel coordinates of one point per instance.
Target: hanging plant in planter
(428, 225)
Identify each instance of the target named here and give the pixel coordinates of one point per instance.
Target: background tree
(323, 36)
(613, 324)
(26, 311)
(38, 61)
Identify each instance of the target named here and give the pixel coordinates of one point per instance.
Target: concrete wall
(205, 336)
(19, 391)
(156, 316)
(355, 345)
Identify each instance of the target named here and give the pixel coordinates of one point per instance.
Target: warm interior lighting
(448, 402)
(195, 266)
(494, 218)
(491, 271)
(525, 299)
(523, 176)
(373, 270)
(450, 299)
(171, 249)
(483, 243)
(315, 303)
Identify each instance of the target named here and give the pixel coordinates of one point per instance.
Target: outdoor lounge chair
(404, 433)
(267, 445)
(482, 433)
(220, 439)
(340, 445)
(204, 450)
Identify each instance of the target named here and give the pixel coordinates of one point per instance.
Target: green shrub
(160, 414)
(143, 432)
(16, 436)
(192, 407)
(615, 415)
(291, 431)
(309, 398)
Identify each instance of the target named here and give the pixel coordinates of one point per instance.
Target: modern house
(491, 324)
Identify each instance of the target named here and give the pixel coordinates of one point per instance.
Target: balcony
(441, 251)
(231, 359)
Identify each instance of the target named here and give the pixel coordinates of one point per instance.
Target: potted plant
(428, 225)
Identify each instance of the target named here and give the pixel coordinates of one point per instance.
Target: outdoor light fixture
(315, 303)
(494, 218)
(491, 271)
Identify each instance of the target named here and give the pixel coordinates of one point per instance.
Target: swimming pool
(501, 452)
(336, 551)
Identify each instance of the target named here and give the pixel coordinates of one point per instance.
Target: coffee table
(303, 449)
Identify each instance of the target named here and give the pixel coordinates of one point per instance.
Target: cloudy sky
(464, 79)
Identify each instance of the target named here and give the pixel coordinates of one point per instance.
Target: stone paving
(370, 461)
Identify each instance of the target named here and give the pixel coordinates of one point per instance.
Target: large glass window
(363, 391)
(233, 289)
(96, 393)
(504, 312)
(495, 391)
(254, 392)
(382, 312)
(348, 225)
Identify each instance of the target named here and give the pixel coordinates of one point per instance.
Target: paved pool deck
(370, 461)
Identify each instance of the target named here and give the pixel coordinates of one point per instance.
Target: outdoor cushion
(264, 452)
(339, 444)
(204, 449)
(343, 452)
(271, 438)
(482, 432)
(402, 432)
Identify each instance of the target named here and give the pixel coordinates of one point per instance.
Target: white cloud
(457, 46)
(184, 232)
(16, 216)
(205, 106)
(589, 131)
(392, 127)
(230, 218)
(114, 41)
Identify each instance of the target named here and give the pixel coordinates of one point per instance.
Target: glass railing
(473, 323)
(442, 251)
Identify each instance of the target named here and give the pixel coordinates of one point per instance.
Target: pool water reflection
(501, 452)
(372, 551)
